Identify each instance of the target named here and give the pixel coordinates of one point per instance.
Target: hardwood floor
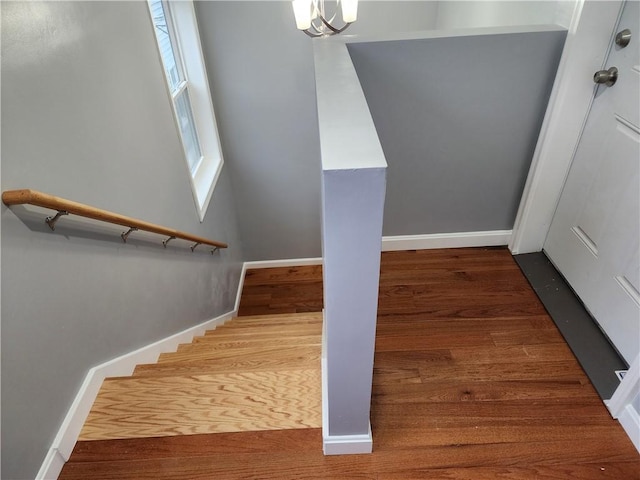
(282, 290)
(472, 381)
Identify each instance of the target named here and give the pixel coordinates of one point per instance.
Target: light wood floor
(472, 381)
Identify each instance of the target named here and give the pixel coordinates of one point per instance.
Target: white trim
(338, 444)
(445, 33)
(325, 382)
(347, 444)
(490, 238)
(585, 52)
(243, 273)
(289, 262)
(183, 30)
(52, 465)
(121, 366)
(621, 403)
(630, 421)
(204, 180)
(627, 390)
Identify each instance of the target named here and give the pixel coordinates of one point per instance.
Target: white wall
(490, 13)
(86, 116)
(394, 16)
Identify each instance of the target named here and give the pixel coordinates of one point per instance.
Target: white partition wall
(463, 140)
(353, 191)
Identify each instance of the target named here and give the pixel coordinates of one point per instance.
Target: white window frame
(183, 30)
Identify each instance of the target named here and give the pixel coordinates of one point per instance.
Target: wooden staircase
(254, 373)
(472, 380)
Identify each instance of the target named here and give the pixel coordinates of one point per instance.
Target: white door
(594, 238)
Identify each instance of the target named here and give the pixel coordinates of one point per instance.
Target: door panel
(595, 234)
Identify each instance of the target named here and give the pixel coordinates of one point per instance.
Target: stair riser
(249, 352)
(224, 344)
(280, 330)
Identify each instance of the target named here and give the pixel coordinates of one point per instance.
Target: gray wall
(458, 119)
(85, 115)
(262, 79)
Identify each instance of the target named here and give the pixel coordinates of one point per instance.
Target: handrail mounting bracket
(51, 221)
(166, 242)
(126, 234)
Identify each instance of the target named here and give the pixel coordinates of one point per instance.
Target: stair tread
(135, 407)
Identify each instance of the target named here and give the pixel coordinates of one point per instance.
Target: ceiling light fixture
(312, 16)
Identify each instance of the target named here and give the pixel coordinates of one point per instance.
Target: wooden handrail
(33, 197)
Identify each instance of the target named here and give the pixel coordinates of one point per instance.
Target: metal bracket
(126, 234)
(51, 221)
(193, 247)
(166, 242)
(215, 249)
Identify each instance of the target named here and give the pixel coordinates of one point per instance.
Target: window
(179, 46)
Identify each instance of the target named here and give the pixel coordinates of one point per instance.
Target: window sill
(203, 183)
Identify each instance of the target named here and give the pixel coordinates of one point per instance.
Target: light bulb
(302, 12)
(349, 10)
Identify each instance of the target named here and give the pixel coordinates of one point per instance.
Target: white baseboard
(52, 465)
(289, 262)
(490, 238)
(630, 421)
(347, 444)
(124, 365)
(621, 403)
(243, 273)
(338, 444)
